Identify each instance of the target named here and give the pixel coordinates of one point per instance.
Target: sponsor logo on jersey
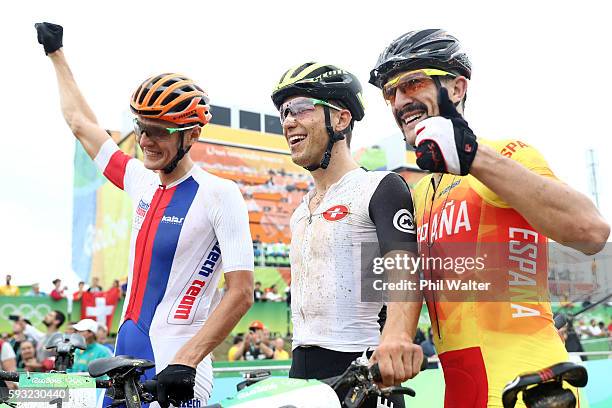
(142, 208)
(141, 212)
(336, 213)
(183, 310)
(168, 219)
(449, 188)
(403, 221)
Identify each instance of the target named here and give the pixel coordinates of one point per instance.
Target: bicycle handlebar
(9, 376)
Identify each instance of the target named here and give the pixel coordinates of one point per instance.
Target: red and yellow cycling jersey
(485, 339)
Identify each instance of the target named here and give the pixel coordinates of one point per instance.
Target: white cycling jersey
(183, 235)
(326, 305)
(179, 232)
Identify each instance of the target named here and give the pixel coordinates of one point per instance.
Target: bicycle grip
(150, 386)
(9, 376)
(375, 370)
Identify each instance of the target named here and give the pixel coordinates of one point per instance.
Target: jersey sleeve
(527, 156)
(120, 169)
(230, 220)
(392, 211)
(7, 352)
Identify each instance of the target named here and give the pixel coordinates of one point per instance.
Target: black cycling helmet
(322, 82)
(431, 48)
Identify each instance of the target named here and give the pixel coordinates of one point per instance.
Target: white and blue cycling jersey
(183, 235)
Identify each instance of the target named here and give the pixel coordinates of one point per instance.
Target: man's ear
(194, 135)
(459, 89)
(343, 120)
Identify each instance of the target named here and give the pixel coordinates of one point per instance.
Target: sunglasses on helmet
(409, 83)
(299, 106)
(156, 132)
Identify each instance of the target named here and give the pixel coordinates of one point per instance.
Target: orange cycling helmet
(173, 98)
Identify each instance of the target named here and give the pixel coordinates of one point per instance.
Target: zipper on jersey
(135, 279)
(307, 228)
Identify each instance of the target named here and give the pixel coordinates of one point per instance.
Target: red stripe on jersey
(144, 246)
(115, 169)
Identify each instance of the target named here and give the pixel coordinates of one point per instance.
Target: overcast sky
(539, 75)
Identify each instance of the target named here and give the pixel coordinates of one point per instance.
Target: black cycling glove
(445, 143)
(50, 36)
(175, 385)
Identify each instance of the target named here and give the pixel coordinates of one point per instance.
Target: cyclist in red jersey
(478, 191)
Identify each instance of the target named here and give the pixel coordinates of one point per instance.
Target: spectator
(257, 293)
(429, 350)
(94, 351)
(58, 292)
(102, 336)
(272, 294)
(53, 320)
(79, 293)
(254, 347)
(124, 289)
(582, 330)
(8, 361)
(95, 285)
(8, 289)
(115, 291)
(594, 329)
(610, 328)
(257, 247)
(279, 349)
(35, 291)
(29, 362)
(231, 353)
(18, 336)
(604, 330)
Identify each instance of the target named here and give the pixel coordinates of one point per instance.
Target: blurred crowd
(60, 291)
(271, 294)
(257, 344)
(25, 348)
(270, 254)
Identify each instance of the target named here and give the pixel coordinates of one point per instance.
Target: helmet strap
(181, 152)
(333, 138)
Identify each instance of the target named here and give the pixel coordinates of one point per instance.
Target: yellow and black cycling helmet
(323, 82)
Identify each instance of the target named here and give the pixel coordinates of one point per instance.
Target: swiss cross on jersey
(336, 213)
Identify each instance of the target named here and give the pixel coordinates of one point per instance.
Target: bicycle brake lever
(397, 390)
(355, 397)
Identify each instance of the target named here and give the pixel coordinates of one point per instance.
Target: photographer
(254, 346)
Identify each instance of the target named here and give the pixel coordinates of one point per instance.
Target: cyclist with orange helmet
(499, 199)
(188, 226)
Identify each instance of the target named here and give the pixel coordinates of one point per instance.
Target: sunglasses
(156, 132)
(299, 106)
(410, 83)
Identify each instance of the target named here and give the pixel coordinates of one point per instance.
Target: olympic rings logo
(28, 311)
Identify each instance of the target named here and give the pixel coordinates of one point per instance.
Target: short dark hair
(60, 316)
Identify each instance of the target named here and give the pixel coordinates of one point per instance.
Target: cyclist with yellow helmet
(498, 196)
(348, 209)
(188, 226)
